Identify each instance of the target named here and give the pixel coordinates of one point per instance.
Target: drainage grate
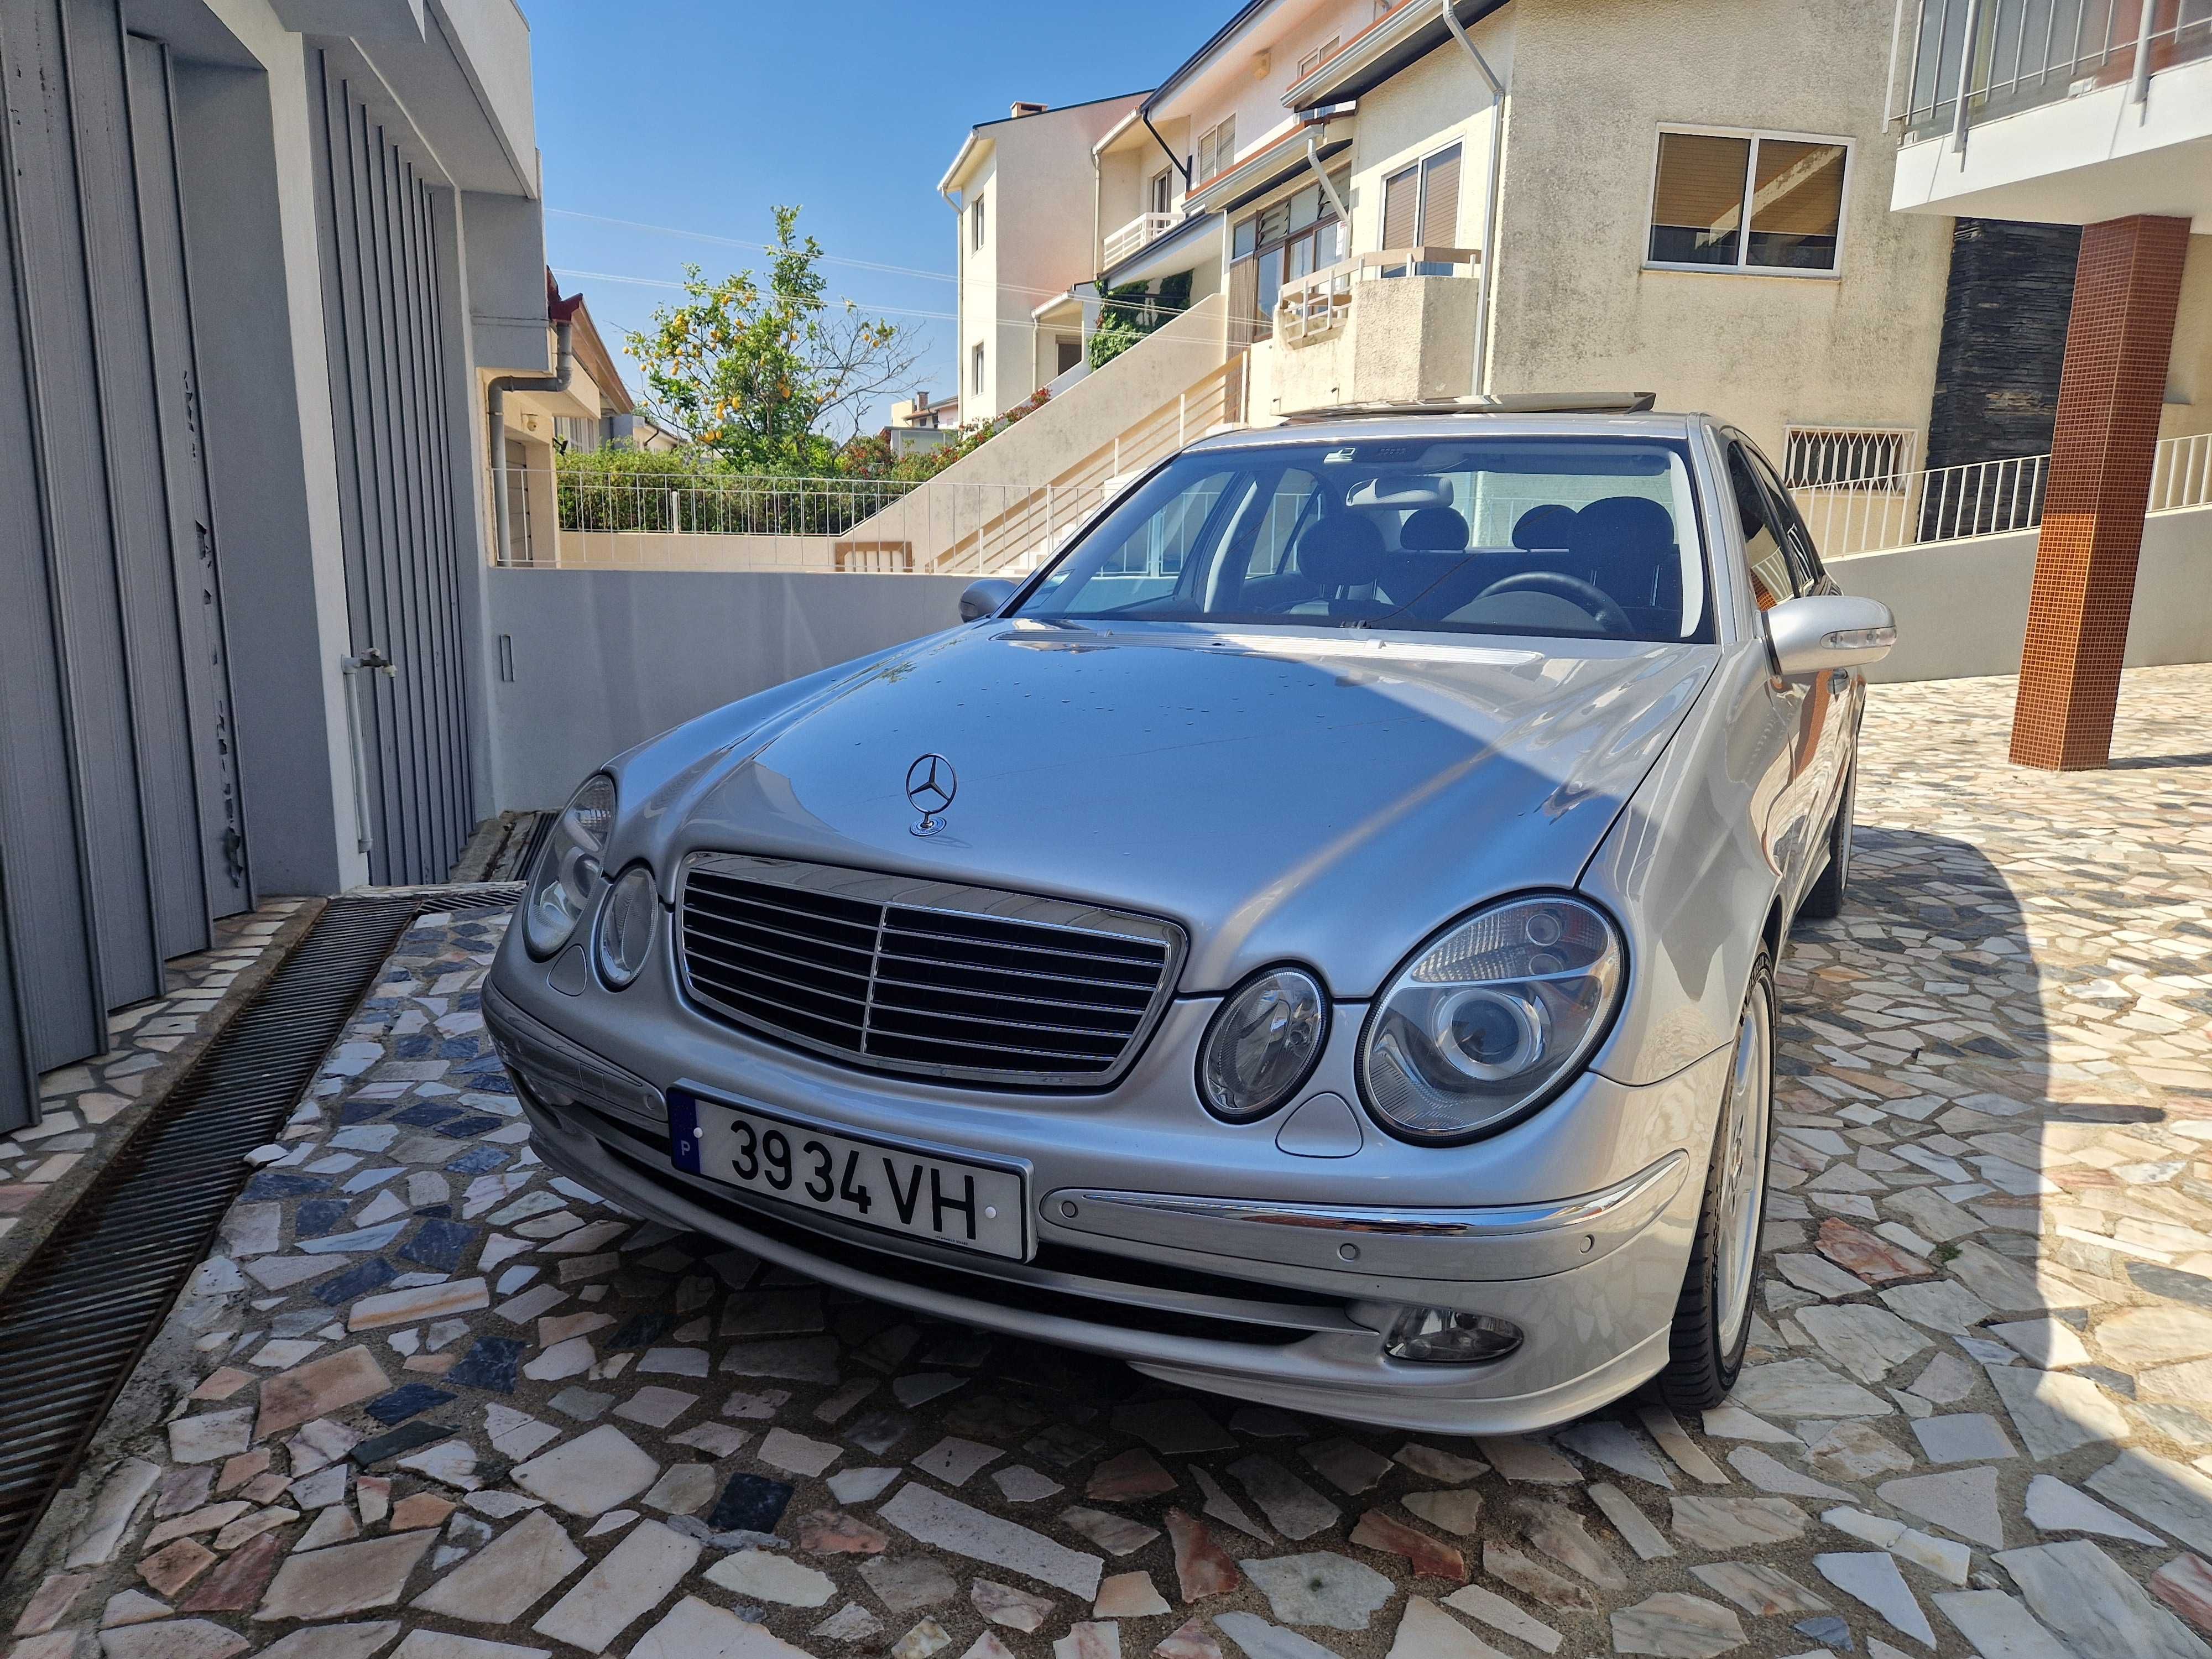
(75, 1318)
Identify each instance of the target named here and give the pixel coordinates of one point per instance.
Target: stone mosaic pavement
(86, 1109)
(428, 1401)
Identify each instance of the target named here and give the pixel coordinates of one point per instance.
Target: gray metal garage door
(384, 314)
(121, 828)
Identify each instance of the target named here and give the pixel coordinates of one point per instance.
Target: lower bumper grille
(906, 975)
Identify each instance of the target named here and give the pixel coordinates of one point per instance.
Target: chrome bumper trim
(1518, 1241)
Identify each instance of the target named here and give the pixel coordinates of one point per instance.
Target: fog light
(1444, 1336)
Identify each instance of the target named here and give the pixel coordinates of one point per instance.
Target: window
(1314, 59)
(1353, 533)
(1217, 149)
(1771, 581)
(976, 223)
(1420, 204)
(1162, 191)
(1747, 202)
(1296, 236)
(976, 369)
(1070, 353)
(1872, 459)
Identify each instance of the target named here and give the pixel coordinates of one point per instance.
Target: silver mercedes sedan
(1312, 939)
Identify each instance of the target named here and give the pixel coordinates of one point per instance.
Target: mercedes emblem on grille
(931, 784)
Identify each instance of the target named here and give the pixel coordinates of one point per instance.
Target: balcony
(1139, 234)
(2064, 111)
(1393, 326)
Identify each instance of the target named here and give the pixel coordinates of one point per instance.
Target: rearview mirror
(986, 598)
(1823, 631)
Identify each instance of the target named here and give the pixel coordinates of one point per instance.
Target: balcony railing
(2004, 56)
(1312, 307)
(1982, 498)
(1140, 231)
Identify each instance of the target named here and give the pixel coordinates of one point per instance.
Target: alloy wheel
(1743, 1172)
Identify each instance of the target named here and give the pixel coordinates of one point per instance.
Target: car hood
(1330, 798)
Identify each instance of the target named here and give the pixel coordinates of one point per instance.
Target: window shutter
(1440, 199)
(1401, 205)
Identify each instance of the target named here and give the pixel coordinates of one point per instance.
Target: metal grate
(909, 975)
(74, 1320)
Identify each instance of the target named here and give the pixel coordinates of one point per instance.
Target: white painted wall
(606, 659)
(1962, 606)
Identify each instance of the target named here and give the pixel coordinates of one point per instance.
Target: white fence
(694, 521)
(1983, 498)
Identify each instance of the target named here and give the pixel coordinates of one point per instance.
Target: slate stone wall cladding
(2003, 342)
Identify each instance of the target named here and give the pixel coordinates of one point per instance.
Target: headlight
(1490, 1017)
(626, 926)
(1262, 1044)
(567, 879)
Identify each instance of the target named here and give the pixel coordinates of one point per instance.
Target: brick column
(2119, 338)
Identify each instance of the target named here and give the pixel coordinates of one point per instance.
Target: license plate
(879, 1184)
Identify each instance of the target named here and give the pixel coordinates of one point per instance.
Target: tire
(1712, 1316)
(1824, 900)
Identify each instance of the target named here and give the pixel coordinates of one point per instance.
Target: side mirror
(1823, 631)
(985, 598)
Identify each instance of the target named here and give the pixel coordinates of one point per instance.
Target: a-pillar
(2126, 288)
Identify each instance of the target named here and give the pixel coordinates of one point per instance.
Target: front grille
(903, 974)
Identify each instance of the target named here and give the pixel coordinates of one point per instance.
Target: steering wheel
(1590, 597)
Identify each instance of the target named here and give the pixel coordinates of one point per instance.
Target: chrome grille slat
(906, 974)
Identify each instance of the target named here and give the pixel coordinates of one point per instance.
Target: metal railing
(1982, 498)
(1966, 61)
(710, 504)
(1142, 231)
(1319, 304)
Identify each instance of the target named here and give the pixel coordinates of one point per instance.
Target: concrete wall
(1962, 606)
(2188, 371)
(1406, 338)
(604, 659)
(1576, 309)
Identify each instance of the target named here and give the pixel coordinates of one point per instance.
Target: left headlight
(1491, 1017)
(626, 926)
(1262, 1044)
(566, 882)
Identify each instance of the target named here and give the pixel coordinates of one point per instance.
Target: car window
(1772, 578)
(1798, 539)
(1562, 535)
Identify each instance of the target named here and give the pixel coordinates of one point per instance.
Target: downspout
(959, 301)
(495, 415)
(1489, 201)
(1174, 160)
(1327, 188)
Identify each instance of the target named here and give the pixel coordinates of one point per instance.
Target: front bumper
(1281, 1302)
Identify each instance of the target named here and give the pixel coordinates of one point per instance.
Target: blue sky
(701, 115)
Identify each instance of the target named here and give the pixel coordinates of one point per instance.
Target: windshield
(1593, 537)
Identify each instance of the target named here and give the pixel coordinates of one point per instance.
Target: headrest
(1546, 526)
(1344, 549)
(1623, 526)
(1433, 530)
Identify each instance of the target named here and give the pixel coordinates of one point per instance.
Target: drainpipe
(2139, 84)
(1960, 118)
(495, 415)
(1174, 160)
(1328, 189)
(959, 306)
(1489, 200)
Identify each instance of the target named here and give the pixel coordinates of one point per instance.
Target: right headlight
(1491, 1017)
(565, 884)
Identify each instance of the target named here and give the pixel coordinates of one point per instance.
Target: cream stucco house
(1594, 157)
(1017, 188)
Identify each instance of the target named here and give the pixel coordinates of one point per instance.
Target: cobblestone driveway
(428, 1401)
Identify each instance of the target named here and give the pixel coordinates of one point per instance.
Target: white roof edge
(1119, 127)
(974, 142)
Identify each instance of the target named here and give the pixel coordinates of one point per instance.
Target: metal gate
(383, 318)
(121, 831)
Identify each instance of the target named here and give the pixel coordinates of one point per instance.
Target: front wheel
(1712, 1316)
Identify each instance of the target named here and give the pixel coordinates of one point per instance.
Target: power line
(657, 282)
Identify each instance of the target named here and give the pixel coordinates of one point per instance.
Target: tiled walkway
(85, 1109)
(429, 1402)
